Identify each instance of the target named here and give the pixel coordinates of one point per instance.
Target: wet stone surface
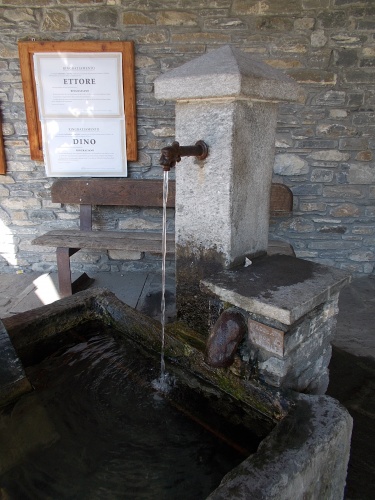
(13, 380)
(279, 287)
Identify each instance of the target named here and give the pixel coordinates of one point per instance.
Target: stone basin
(304, 455)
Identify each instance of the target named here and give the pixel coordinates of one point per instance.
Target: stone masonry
(290, 306)
(300, 361)
(324, 148)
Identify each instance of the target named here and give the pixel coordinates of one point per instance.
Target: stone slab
(279, 287)
(127, 286)
(355, 322)
(305, 456)
(149, 302)
(13, 380)
(227, 72)
(12, 288)
(28, 291)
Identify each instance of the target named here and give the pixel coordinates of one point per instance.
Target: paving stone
(13, 380)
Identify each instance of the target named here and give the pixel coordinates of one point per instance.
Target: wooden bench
(121, 192)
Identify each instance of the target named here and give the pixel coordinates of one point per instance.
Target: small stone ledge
(280, 287)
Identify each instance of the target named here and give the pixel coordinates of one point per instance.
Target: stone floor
(352, 381)
(352, 367)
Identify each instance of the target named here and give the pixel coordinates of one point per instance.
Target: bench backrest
(125, 192)
(137, 193)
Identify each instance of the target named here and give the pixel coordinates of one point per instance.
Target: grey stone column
(229, 100)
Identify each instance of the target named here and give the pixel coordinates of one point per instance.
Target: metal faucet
(170, 155)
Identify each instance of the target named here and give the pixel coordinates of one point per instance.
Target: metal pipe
(170, 155)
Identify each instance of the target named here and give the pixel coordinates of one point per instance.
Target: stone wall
(324, 149)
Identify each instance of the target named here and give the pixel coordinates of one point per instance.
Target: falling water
(164, 253)
(164, 382)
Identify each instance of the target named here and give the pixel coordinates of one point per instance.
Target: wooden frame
(3, 169)
(26, 52)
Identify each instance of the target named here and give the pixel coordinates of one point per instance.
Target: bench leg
(63, 269)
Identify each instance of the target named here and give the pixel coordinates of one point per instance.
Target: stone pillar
(229, 100)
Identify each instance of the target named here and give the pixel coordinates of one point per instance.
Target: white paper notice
(81, 108)
(85, 147)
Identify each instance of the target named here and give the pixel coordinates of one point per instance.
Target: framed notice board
(77, 87)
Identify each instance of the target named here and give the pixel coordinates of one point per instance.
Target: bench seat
(144, 241)
(131, 241)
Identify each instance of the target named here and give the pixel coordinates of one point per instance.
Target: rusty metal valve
(170, 155)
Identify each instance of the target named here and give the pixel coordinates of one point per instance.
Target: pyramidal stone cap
(227, 72)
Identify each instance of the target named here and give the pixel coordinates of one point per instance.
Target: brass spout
(170, 155)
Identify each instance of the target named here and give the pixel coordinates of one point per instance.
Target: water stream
(165, 381)
(164, 253)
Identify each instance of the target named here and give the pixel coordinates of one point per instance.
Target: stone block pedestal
(290, 306)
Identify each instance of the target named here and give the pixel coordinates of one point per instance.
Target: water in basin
(105, 433)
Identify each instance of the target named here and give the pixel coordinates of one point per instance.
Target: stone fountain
(251, 326)
(270, 315)
(222, 215)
